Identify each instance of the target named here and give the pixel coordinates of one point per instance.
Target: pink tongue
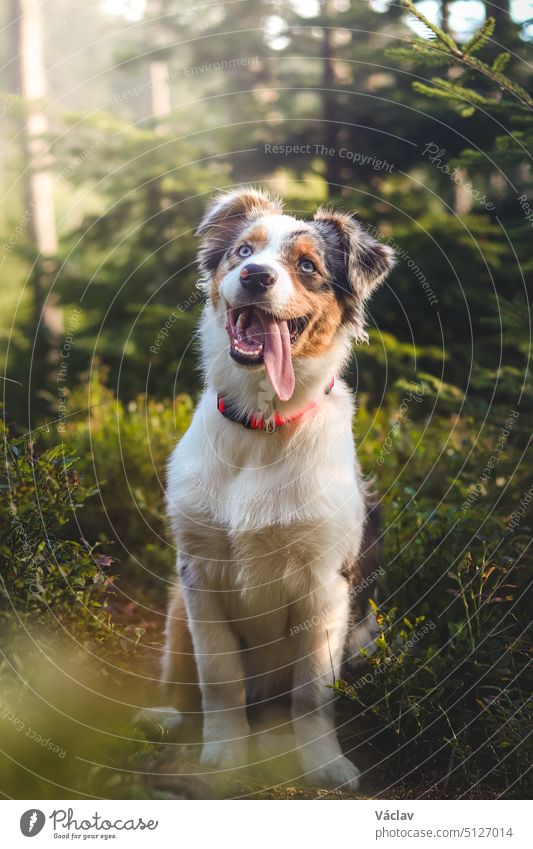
(277, 356)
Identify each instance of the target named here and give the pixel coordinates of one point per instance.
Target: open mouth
(257, 337)
(248, 328)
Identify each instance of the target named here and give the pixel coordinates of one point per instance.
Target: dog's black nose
(256, 278)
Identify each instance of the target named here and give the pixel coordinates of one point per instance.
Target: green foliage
(480, 37)
(444, 41)
(511, 319)
(71, 716)
(465, 59)
(419, 52)
(501, 61)
(122, 451)
(446, 687)
(49, 572)
(452, 92)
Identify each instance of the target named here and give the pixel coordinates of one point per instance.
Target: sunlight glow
(274, 28)
(132, 10)
(466, 16)
(306, 8)
(380, 6)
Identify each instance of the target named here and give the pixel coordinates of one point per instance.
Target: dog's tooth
(242, 321)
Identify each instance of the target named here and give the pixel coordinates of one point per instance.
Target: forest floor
(173, 773)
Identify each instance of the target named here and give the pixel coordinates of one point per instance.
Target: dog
(273, 521)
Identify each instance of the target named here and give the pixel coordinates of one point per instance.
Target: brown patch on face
(314, 296)
(217, 279)
(305, 246)
(256, 236)
(324, 319)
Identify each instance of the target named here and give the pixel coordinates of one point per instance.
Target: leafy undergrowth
(439, 708)
(445, 689)
(122, 450)
(50, 572)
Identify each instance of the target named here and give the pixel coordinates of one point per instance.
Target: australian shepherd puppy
(268, 506)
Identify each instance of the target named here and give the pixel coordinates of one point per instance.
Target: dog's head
(285, 289)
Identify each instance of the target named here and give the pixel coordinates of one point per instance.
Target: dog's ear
(358, 261)
(225, 217)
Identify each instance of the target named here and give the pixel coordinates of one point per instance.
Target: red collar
(274, 422)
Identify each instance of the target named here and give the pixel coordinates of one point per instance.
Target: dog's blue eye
(307, 266)
(245, 250)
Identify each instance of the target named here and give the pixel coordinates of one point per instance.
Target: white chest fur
(224, 475)
(268, 520)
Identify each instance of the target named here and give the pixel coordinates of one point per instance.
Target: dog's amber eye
(307, 266)
(244, 251)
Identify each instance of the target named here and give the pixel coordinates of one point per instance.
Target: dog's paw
(340, 774)
(167, 721)
(224, 755)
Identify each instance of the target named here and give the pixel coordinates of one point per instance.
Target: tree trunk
(462, 198)
(500, 10)
(160, 89)
(30, 81)
(159, 75)
(329, 107)
(445, 15)
(160, 101)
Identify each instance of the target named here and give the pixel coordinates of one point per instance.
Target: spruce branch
(480, 37)
(420, 52)
(439, 34)
(502, 80)
(445, 44)
(500, 62)
(438, 93)
(460, 92)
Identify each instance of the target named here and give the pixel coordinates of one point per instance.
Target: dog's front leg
(220, 671)
(321, 630)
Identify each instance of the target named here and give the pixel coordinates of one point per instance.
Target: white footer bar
(268, 824)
